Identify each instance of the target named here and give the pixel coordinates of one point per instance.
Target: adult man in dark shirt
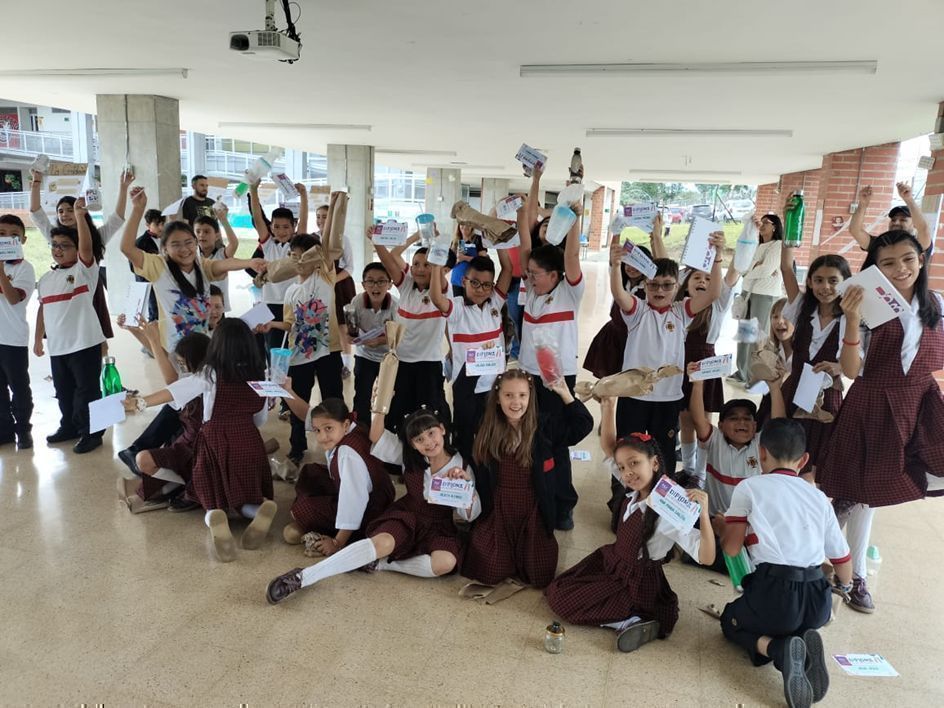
(198, 204)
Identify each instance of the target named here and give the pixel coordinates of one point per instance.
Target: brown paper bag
(498, 231)
(387, 377)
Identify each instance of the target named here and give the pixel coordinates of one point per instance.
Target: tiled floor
(100, 606)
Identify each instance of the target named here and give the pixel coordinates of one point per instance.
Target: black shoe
(62, 435)
(180, 504)
(284, 585)
(797, 689)
(24, 440)
(816, 671)
(129, 457)
(87, 443)
(565, 522)
(635, 635)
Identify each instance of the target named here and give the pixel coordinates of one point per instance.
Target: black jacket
(569, 428)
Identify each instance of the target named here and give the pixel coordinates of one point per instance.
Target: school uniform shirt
(665, 535)
(911, 339)
(719, 312)
(656, 337)
(555, 314)
(791, 311)
(272, 250)
(425, 325)
(68, 314)
(308, 308)
(112, 225)
(473, 327)
(179, 315)
(727, 466)
(765, 279)
(223, 283)
(389, 449)
(14, 329)
(188, 387)
(793, 521)
(368, 319)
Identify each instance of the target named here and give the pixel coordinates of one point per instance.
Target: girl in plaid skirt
(621, 585)
(887, 445)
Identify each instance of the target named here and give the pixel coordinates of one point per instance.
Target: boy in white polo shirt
(17, 282)
(787, 597)
(476, 334)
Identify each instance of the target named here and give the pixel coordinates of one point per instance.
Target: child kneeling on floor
(787, 597)
(622, 585)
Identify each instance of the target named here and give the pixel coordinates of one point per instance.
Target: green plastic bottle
(111, 381)
(738, 566)
(793, 221)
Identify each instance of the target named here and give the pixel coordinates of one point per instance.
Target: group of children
(509, 429)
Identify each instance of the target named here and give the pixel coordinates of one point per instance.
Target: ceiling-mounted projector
(271, 42)
(265, 44)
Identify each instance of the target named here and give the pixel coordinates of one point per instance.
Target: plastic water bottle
(426, 225)
(562, 218)
(111, 381)
(439, 251)
(40, 164)
(259, 169)
(738, 566)
(746, 246)
(793, 221)
(873, 564)
(576, 167)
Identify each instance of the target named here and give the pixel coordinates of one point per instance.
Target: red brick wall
(597, 227)
(769, 201)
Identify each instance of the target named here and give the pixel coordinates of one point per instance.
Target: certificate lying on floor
(670, 501)
(456, 493)
(865, 665)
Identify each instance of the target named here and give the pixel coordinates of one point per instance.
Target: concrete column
(493, 191)
(83, 146)
(142, 130)
(296, 164)
(196, 155)
(443, 189)
(352, 167)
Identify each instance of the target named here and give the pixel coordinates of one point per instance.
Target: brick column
(933, 192)
(842, 172)
(770, 201)
(597, 219)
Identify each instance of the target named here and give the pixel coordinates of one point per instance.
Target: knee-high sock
(858, 531)
(168, 475)
(420, 566)
(688, 455)
(347, 559)
(701, 463)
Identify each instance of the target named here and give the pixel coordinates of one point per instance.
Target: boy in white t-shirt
(74, 334)
(787, 597)
(372, 310)
(207, 231)
(477, 340)
(17, 282)
(732, 450)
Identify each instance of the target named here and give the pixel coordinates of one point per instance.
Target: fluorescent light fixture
(57, 73)
(471, 168)
(395, 151)
(716, 173)
(685, 133)
(296, 126)
(730, 68)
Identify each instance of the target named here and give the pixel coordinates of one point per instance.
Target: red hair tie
(645, 437)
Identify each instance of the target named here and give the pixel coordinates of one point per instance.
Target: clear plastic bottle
(554, 638)
(111, 381)
(873, 564)
(40, 164)
(746, 246)
(439, 251)
(259, 169)
(576, 167)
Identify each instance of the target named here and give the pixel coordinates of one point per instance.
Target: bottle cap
(555, 628)
(108, 360)
(873, 553)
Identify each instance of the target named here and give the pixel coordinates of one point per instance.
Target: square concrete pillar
(145, 132)
(83, 137)
(196, 155)
(352, 167)
(493, 191)
(443, 189)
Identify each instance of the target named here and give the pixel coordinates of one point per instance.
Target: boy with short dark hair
(17, 282)
(375, 307)
(787, 597)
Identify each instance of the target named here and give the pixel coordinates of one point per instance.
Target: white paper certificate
(485, 361)
(670, 501)
(456, 493)
(635, 257)
(699, 253)
(881, 302)
(11, 249)
(714, 367)
(391, 233)
(267, 389)
(529, 157)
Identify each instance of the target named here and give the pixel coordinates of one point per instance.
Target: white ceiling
(444, 76)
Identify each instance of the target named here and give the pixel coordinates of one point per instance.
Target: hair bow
(644, 437)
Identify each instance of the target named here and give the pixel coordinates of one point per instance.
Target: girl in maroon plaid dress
(514, 472)
(700, 341)
(414, 536)
(817, 317)
(334, 503)
(621, 585)
(887, 445)
(781, 334)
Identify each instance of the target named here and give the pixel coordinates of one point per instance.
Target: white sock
(206, 518)
(347, 559)
(858, 531)
(688, 455)
(167, 475)
(420, 566)
(623, 624)
(348, 360)
(250, 510)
